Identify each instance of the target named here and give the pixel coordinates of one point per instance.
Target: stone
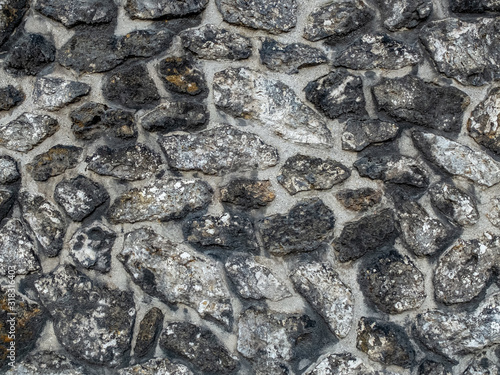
(479, 6)
(12, 13)
(45, 220)
(27, 131)
(446, 40)
(74, 12)
(180, 75)
(273, 16)
(131, 163)
(156, 366)
(359, 134)
(6, 202)
(306, 227)
(338, 93)
(321, 286)
(384, 342)
(10, 97)
(210, 42)
(121, 123)
(218, 151)
(494, 212)
(54, 162)
(484, 122)
(254, 278)
(90, 247)
(404, 14)
(176, 116)
(338, 364)
(458, 159)
(392, 282)
(149, 330)
(145, 43)
(482, 365)
(53, 94)
(47, 363)
(248, 193)
(8, 170)
(154, 9)
(176, 274)
(422, 103)
(289, 58)
(337, 20)
(81, 309)
(29, 55)
(359, 199)
(242, 92)
(163, 199)
(365, 235)
(430, 367)
(79, 196)
(458, 206)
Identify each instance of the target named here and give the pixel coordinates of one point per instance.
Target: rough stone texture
(6, 202)
(248, 193)
(11, 15)
(404, 14)
(149, 330)
(27, 131)
(338, 364)
(52, 94)
(176, 116)
(156, 366)
(73, 12)
(484, 123)
(54, 162)
(494, 213)
(8, 170)
(47, 363)
(10, 97)
(17, 249)
(30, 55)
(430, 367)
(360, 199)
(180, 75)
(479, 6)
(458, 206)
(147, 9)
(482, 365)
(359, 134)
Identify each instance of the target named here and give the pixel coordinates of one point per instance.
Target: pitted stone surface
(153, 9)
(404, 14)
(484, 123)
(27, 131)
(430, 367)
(339, 364)
(359, 134)
(458, 206)
(180, 75)
(6, 202)
(10, 97)
(360, 199)
(54, 162)
(12, 14)
(175, 116)
(73, 12)
(479, 6)
(30, 55)
(248, 193)
(494, 213)
(52, 94)
(482, 365)
(47, 363)
(149, 331)
(156, 366)
(8, 170)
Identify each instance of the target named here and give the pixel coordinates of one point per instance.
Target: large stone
(338, 364)
(153, 9)
(484, 123)
(359, 199)
(6, 202)
(11, 16)
(149, 331)
(47, 363)
(180, 75)
(52, 94)
(477, 6)
(8, 170)
(359, 134)
(176, 116)
(73, 12)
(54, 162)
(145, 43)
(156, 366)
(242, 92)
(10, 97)
(404, 14)
(458, 206)
(27, 131)
(29, 55)
(248, 193)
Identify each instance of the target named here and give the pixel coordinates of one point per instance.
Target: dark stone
(474, 6)
(47, 363)
(359, 134)
(156, 366)
(10, 17)
(6, 202)
(27, 131)
(180, 75)
(484, 123)
(482, 365)
(29, 55)
(248, 193)
(8, 170)
(10, 97)
(54, 162)
(404, 14)
(176, 116)
(359, 199)
(74, 12)
(17, 249)
(154, 9)
(430, 367)
(145, 43)
(458, 206)
(149, 330)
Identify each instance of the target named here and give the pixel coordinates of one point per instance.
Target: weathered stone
(392, 283)
(82, 309)
(219, 150)
(494, 211)
(359, 134)
(79, 196)
(176, 116)
(91, 246)
(411, 99)
(458, 206)
(404, 14)
(10, 97)
(447, 39)
(121, 123)
(153, 9)
(430, 367)
(484, 123)
(254, 278)
(144, 43)
(180, 75)
(242, 92)
(482, 365)
(29, 55)
(306, 227)
(53, 94)
(6, 202)
(457, 159)
(8, 170)
(176, 274)
(54, 162)
(477, 6)
(302, 173)
(149, 330)
(248, 193)
(47, 363)
(27, 131)
(384, 342)
(338, 93)
(11, 16)
(156, 366)
(360, 199)
(73, 12)
(163, 199)
(338, 364)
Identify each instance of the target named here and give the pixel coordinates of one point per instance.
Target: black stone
(74, 12)
(402, 14)
(10, 17)
(149, 330)
(10, 97)
(430, 367)
(176, 116)
(54, 162)
(154, 9)
(474, 6)
(29, 55)
(359, 199)
(248, 193)
(180, 75)
(145, 43)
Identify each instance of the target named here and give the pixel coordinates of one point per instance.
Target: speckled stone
(338, 364)
(176, 116)
(73, 12)
(484, 123)
(482, 365)
(27, 131)
(478, 6)
(181, 75)
(13, 13)
(494, 213)
(458, 206)
(153, 9)
(29, 55)
(149, 331)
(10, 97)
(359, 199)
(248, 193)
(47, 363)
(156, 366)
(359, 134)
(52, 94)
(404, 14)
(54, 162)
(8, 170)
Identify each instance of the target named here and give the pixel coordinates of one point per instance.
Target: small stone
(74, 12)
(153, 9)
(242, 92)
(248, 193)
(404, 14)
(359, 199)
(27, 131)
(8, 170)
(11, 16)
(321, 286)
(306, 227)
(80, 196)
(482, 365)
(29, 55)
(365, 235)
(47, 363)
(6, 202)
(91, 246)
(176, 116)
(149, 330)
(359, 134)
(484, 123)
(254, 278)
(121, 123)
(163, 199)
(458, 206)
(10, 97)
(430, 367)
(478, 6)
(411, 99)
(53, 94)
(338, 93)
(218, 151)
(54, 162)
(156, 366)
(338, 364)
(145, 43)
(180, 75)
(494, 214)
(384, 342)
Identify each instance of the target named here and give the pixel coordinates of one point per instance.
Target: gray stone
(180, 75)
(338, 364)
(153, 9)
(218, 151)
(494, 211)
(482, 365)
(176, 116)
(27, 131)
(303, 173)
(248, 193)
(29, 55)
(73, 12)
(242, 92)
(359, 134)
(430, 367)
(149, 330)
(8, 170)
(404, 14)
(11, 16)
(54, 162)
(47, 363)
(53, 94)
(6, 201)
(156, 366)
(144, 43)
(477, 6)
(359, 199)
(458, 206)
(10, 97)
(484, 123)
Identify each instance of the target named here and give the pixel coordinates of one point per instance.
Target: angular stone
(359, 199)
(447, 39)
(338, 364)
(176, 274)
(306, 227)
(11, 16)
(180, 75)
(484, 123)
(163, 199)
(8, 170)
(404, 14)
(91, 246)
(338, 93)
(149, 330)
(27, 131)
(303, 173)
(156, 366)
(54, 162)
(10, 97)
(248, 193)
(153, 9)
(384, 342)
(47, 363)
(411, 99)
(29, 55)
(74, 12)
(457, 159)
(144, 43)
(430, 367)
(458, 206)
(359, 134)
(477, 6)
(482, 365)
(176, 116)
(494, 211)
(254, 278)
(242, 92)
(79, 196)
(53, 94)
(6, 202)
(82, 309)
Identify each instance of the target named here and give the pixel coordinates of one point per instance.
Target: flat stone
(74, 12)
(156, 366)
(430, 367)
(338, 364)
(404, 14)
(248, 193)
(176, 116)
(482, 365)
(457, 159)
(47, 363)
(321, 286)
(422, 103)
(359, 199)
(10, 97)
(27, 131)
(303, 173)
(8, 170)
(494, 211)
(45, 220)
(176, 274)
(149, 330)
(90, 246)
(392, 283)
(81, 309)
(478, 6)
(180, 75)
(12, 14)
(218, 151)
(29, 55)
(6, 202)
(79, 196)
(338, 93)
(306, 227)
(145, 43)
(53, 94)
(163, 199)
(447, 39)
(54, 162)
(254, 278)
(359, 134)
(242, 92)
(484, 123)
(153, 9)
(458, 206)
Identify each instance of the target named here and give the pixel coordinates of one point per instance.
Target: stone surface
(154, 9)
(176, 116)
(54, 162)
(494, 213)
(156, 366)
(484, 123)
(430, 367)
(338, 364)
(359, 199)
(47, 363)
(359, 134)
(8, 170)
(17, 249)
(248, 193)
(180, 75)
(11, 15)
(458, 206)
(52, 94)
(27, 131)
(73, 12)
(479, 6)
(10, 97)
(145, 42)
(29, 55)
(404, 14)
(6, 202)
(242, 92)
(149, 330)
(482, 365)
